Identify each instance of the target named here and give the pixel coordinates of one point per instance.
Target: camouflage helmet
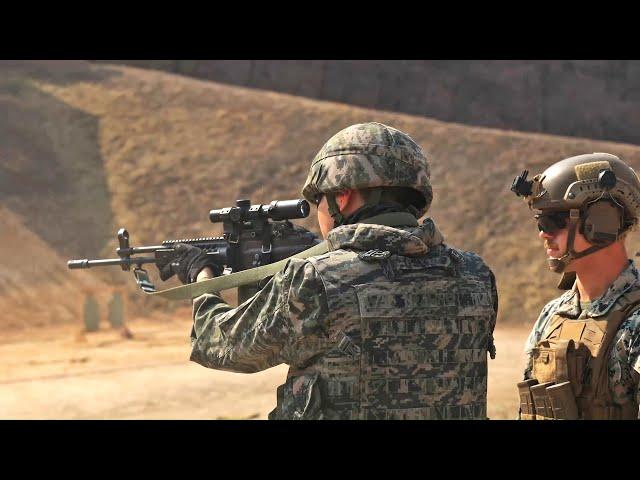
(598, 194)
(369, 155)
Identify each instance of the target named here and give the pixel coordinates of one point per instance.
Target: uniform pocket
(299, 399)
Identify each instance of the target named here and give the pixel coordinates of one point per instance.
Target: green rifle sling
(254, 275)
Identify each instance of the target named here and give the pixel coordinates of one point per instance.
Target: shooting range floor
(60, 373)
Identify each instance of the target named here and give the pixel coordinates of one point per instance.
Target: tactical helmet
(369, 155)
(599, 192)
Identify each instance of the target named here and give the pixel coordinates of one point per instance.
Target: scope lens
(304, 208)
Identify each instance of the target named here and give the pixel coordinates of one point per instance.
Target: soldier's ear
(343, 197)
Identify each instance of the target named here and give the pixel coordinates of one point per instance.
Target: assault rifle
(253, 236)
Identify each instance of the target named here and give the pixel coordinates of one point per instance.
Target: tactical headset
(601, 221)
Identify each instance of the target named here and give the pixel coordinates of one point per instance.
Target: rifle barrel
(86, 263)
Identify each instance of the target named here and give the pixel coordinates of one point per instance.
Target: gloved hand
(187, 262)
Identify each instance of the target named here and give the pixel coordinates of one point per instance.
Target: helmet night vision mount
(600, 193)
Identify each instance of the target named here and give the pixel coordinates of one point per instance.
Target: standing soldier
(91, 313)
(391, 323)
(116, 310)
(583, 354)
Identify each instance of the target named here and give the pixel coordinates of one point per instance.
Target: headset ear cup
(602, 223)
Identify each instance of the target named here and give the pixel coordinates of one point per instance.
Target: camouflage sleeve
(634, 343)
(492, 325)
(632, 325)
(536, 334)
(624, 361)
(285, 322)
(532, 339)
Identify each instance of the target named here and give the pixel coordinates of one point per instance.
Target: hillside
(85, 149)
(583, 98)
(35, 286)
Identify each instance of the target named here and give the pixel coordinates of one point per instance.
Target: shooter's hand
(186, 262)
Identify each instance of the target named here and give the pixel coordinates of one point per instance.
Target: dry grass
(88, 149)
(36, 288)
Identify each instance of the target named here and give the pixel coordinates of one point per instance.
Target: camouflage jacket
(294, 319)
(624, 359)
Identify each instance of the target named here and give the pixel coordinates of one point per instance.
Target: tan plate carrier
(570, 379)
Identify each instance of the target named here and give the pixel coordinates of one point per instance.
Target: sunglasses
(552, 222)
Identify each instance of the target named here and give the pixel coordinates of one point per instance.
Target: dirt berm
(85, 149)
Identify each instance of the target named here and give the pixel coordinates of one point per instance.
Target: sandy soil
(61, 373)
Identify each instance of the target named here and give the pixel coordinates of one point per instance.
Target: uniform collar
(570, 305)
(406, 241)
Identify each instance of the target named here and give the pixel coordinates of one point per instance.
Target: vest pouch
(550, 360)
(578, 367)
(299, 399)
(587, 349)
(563, 401)
(527, 407)
(542, 402)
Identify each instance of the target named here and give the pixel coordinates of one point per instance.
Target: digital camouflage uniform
(582, 360)
(389, 324)
(395, 338)
(623, 364)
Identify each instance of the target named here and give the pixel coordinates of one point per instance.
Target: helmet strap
(334, 210)
(558, 265)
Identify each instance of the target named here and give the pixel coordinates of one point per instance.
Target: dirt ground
(61, 373)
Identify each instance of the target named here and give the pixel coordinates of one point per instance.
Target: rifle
(253, 235)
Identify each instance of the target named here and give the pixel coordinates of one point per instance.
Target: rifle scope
(276, 210)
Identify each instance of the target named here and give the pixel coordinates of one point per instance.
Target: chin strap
(558, 265)
(334, 210)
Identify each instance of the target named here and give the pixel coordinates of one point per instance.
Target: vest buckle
(374, 255)
(347, 347)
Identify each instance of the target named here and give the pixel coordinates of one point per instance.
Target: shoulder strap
(630, 300)
(629, 303)
(253, 275)
(554, 323)
(232, 280)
